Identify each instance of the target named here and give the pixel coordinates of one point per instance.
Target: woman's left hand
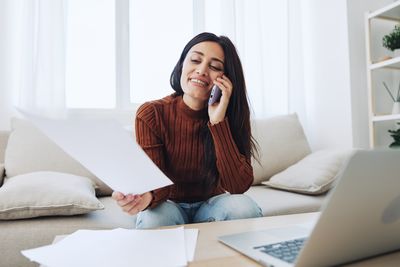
(133, 204)
(217, 111)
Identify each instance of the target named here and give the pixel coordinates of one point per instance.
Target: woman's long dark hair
(238, 112)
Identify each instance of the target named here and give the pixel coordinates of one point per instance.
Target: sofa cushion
(315, 174)
(46, 194)
(29, 150)
(282, 142)
(3, 143)
(277, 202)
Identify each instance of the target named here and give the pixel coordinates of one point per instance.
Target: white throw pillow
(29, 150)
(46, 194)
(312, 175)
(282, 143)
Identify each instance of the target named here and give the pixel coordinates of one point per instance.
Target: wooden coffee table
(211, 253)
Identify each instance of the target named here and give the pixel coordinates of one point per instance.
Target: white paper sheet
(107, 150)
(119, 248)
(190, 242)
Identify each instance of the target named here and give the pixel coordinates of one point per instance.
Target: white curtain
(7, 63)
(41, 53)
(267, 35)
(298, 99)
(260, 32)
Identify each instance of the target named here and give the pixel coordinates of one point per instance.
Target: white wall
(358, 72)
(326, 73)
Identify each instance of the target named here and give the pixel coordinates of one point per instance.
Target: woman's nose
(202, 70)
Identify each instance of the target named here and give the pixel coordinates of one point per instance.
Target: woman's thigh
(167, 213)
(227, 207)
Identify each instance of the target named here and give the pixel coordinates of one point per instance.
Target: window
(107, 69)
(121, 53)
(90, 54)
(158, 32)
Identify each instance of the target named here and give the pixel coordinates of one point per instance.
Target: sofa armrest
(2, 173)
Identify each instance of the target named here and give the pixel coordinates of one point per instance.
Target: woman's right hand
(132, 204)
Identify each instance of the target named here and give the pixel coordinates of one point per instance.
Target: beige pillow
(282, 143)
(46, 194)
(312, 175)
(29, 150)
(3, 143)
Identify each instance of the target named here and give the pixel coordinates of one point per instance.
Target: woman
(204, 149)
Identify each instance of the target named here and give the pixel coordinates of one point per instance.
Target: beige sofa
(282, 144)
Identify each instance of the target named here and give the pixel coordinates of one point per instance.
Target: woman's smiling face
(203, 64)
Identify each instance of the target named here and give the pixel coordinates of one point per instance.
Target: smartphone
(215, 95)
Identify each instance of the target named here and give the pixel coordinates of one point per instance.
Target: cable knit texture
(169, 132)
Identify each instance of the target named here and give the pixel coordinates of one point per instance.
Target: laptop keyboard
(286, 250)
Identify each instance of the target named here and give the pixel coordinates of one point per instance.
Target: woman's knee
(228, 207)
(167, 213)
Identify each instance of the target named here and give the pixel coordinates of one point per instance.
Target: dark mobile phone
(215, 95)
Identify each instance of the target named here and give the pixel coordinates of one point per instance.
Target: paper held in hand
(107, 150)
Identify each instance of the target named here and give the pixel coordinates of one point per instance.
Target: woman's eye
(216, 68)
(195, 60)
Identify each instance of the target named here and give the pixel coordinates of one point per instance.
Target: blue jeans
(218, 208)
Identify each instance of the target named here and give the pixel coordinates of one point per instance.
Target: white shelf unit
(377, 24)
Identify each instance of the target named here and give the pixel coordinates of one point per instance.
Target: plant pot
(396, 52)
(396, 108)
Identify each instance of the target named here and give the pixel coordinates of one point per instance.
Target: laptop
(360, 219)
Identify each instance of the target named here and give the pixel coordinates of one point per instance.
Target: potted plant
(396, 101)
(391, 41)
(395, 134)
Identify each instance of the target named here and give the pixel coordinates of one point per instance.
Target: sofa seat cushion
(277, 202)
(18, 235)
(281, 141)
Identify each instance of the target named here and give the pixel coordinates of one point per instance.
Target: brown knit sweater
(169, 132)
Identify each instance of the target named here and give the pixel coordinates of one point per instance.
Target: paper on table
(119, 247)
(106, 150)
(190, 243)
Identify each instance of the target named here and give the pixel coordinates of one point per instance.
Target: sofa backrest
(3, 144)
(282, 143)
(281, 139)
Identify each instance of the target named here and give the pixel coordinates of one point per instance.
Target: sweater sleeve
(148, 136)
(235, 171)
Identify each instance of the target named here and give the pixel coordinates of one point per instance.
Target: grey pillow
(46, 194)
(29, 150)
